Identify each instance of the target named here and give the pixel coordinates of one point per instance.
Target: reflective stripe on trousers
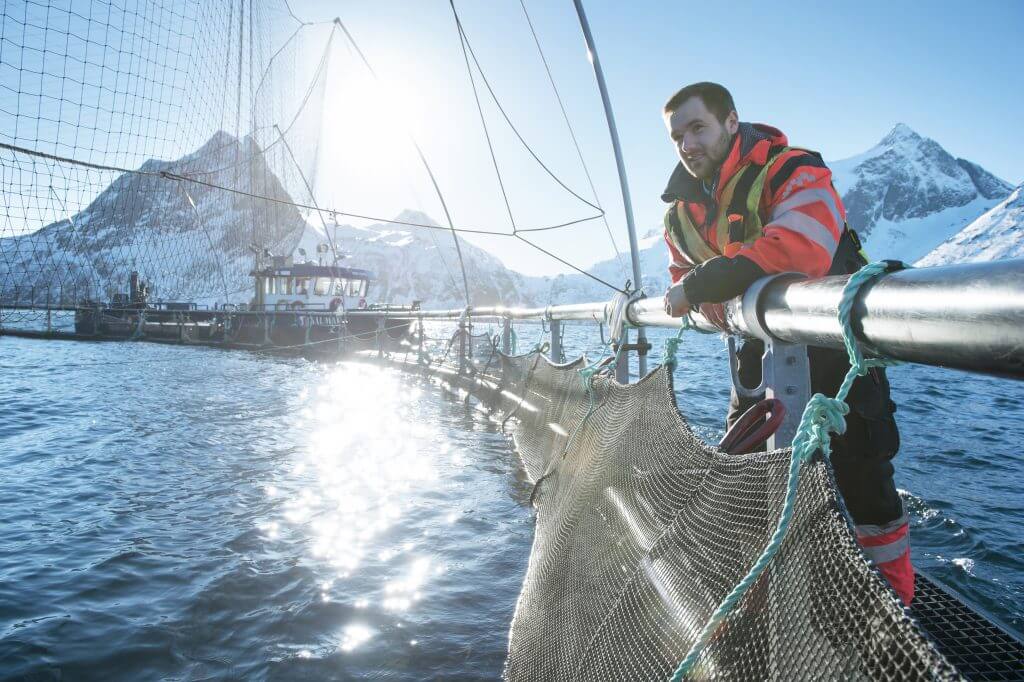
(887, 547)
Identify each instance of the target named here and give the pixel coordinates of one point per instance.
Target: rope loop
(822, 417)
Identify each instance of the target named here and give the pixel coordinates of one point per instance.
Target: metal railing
(968, 317)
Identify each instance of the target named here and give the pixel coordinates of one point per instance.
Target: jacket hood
(751, 142)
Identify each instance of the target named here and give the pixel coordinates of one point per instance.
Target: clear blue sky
(834, 77)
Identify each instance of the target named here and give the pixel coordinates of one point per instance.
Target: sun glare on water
(367, 454)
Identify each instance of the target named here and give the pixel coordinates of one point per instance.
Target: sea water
(172, 512)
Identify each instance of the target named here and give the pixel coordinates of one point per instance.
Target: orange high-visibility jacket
(796, 227)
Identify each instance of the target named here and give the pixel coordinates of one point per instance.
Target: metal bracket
(734, 372)
(555, 352)
(785, 371)
(788, 373)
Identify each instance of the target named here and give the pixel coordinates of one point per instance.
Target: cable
(567, 263)
(575, 142)
(483, 119)
(426, 167)
(508, 120)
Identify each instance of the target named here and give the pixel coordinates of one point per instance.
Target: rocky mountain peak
(417, 217)
(900, 134)
(894, 192)
(988, 185)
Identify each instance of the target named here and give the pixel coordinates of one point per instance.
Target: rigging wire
(426, 166)
(572, 134)
(253, 195)
(515, 232)
(508, 120)
(483, 119)
(168, 175)
(312, 197)
(520, 236)
(320, 69)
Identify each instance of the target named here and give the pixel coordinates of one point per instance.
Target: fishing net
(642, 529)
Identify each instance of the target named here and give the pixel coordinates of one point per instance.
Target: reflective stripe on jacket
(791, 218)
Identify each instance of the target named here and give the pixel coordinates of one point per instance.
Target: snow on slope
(907, 194)
(148, 223)
(417, 263)
(998, 234)
(904, 196)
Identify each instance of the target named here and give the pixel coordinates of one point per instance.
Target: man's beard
(714, 156)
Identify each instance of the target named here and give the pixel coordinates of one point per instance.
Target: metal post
(622, 368)
(420, 335)
(49, 321)
(786, 377)
(634, 250)
(462, 347)
(506, 336)
(380, 336)
(556, 342)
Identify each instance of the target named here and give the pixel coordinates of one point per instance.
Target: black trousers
(861, 457)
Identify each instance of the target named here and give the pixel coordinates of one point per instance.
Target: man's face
(701, 140)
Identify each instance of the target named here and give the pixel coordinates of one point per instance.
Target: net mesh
(642, 529)
(152, 136)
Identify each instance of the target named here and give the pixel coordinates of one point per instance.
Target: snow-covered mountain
(191, 241)
(904, 196)
(417, 263)
(907, 194)
(996, 235)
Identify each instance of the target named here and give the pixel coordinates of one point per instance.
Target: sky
(835, 77)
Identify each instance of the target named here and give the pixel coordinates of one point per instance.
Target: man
(743, 205)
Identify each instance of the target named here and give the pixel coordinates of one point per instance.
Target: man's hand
(676, 304)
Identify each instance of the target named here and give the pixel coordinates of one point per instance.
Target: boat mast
(641, 337)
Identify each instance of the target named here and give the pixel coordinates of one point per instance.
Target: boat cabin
(308, 285)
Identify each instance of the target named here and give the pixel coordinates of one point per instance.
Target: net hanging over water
(643, 528)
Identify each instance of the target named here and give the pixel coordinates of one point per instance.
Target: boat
(301, 307)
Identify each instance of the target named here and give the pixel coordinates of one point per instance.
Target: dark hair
(715, 97)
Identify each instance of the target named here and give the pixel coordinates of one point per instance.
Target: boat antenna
(627, 203)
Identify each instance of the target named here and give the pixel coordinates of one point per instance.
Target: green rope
(822, 417)
(587, 375)
(668, 356)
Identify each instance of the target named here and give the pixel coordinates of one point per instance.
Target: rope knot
(668, 358)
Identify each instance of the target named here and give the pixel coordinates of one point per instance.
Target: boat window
(338, 287)
(322, 286)
(352, 287)
(301, 286)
